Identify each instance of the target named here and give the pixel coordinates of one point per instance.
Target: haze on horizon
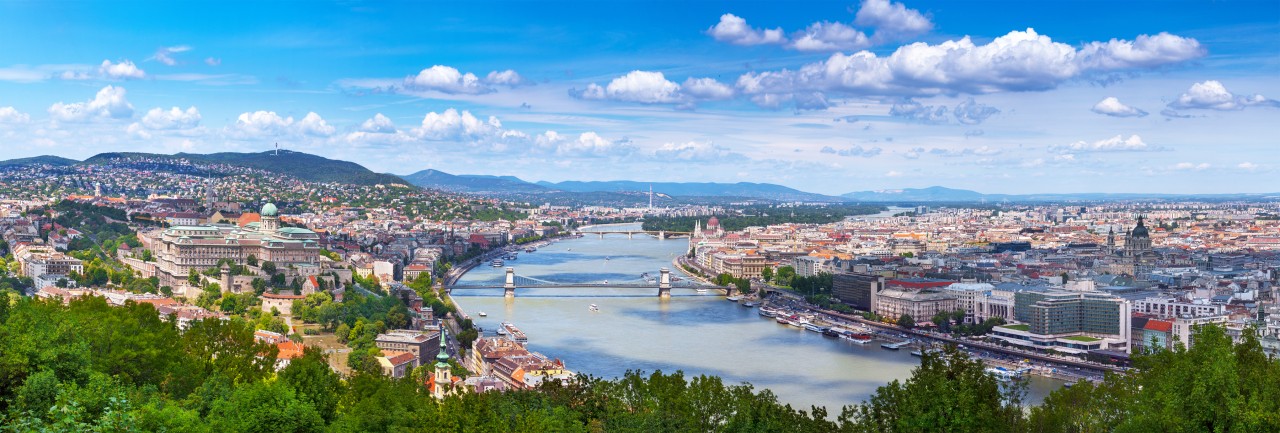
(823, 96)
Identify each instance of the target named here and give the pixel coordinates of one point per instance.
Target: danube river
(695, 333)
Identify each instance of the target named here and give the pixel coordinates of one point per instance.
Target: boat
(530, 249)
(784, 319)
(502, 330)
(750, 304)
(593, 307)
(700, 290)
(767, 312)
(1005, 375)
(815, 328)
(482, 314)
(859, 338)
(497, 263)
(734, 298)
(894, 346)
(514, 333)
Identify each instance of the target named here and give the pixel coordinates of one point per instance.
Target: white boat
(700, 291)
(733, 298)
(482, 314)
(593, 307)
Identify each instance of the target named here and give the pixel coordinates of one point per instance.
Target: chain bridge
(662, 282)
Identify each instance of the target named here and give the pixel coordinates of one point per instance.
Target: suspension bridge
(662, 282)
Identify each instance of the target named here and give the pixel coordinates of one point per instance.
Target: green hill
(297, 164)
(56, 161)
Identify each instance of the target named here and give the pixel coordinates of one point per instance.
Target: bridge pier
(664, 284)
(662, 235)
(509, 287)
(601, 235)
(629, 234)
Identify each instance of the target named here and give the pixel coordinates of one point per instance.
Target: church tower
(443, 375)
(1111, 240)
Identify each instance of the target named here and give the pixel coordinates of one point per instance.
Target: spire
(442, 358)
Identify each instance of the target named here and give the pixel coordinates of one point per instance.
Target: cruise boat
(767, 312)
(514, 333)
(497, 263)
(814, 327)
(858, 338)
(734, 298)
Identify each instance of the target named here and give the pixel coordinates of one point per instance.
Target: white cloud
(108, 103)
(1212, 95)
(695, 151)
(706, 89)
(916, 111)
(312, 124)
(1111, 106)
(262, 123)
(892, 20)
(378, 124)
(452, 125)
(445, 79)
(978, 151)
(857, 151)
(173, 118)
(212, 61)
(1191, 166)
(1247, 166)
(1018, 61)
(12, 115)
(829, 36)
(1114, 144)
(734, 30)
(893, 173)
(649, 87)
(969, 112)
(165, 54)
(125, 70)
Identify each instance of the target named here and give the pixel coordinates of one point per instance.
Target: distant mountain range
(483, 184)
(56, 161)
(474, 184)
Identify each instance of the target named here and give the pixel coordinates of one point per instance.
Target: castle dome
(269, 209)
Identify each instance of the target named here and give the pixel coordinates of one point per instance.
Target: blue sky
(831, 97)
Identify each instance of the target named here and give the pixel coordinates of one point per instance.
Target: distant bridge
(660, 234)
(662, 283)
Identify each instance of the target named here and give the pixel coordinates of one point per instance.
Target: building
(855, 289)
(185, 249)
(1168, 306)
(1137, 251)
(921, 305)
(981, 301)
(1072, 322)
(423, 346)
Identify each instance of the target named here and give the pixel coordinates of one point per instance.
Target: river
(695, 333)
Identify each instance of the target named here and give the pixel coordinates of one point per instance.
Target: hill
(943, 194)
(475, 184)
(56, 161)
(297, 164)
(748, 190)
(933, 193)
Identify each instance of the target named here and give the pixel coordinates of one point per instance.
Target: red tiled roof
(1159, 325)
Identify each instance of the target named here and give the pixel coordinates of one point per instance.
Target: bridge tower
(662, 235)
(509, 287)
(601, 235)
(664, 284)
(629, 235)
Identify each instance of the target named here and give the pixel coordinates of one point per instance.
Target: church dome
(713, 223)
(269, 209)
(1140, 231)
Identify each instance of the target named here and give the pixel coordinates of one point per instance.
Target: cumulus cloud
(1111, 106)
(108, 103)
(452, 125)
(261, 123)
(1018, 61)
(312, 124)
(1191, 166)
(830, 36)
(892, 20)
(857, 151)
(970, 112)
(378, 124)
(165, 54)
(1114, 144)
(649, 87)
(173, 118)
(125, 70)
(12, 115)
(1247, 166)
(734, 30)
(585, 144)
(1212, 95)
(449, 80)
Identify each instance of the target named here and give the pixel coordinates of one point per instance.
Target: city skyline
(828, 97)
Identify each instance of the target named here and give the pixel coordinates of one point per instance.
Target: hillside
(475, 184)
(766, 191)
(943, 194)
(56, 161)
(297, 164)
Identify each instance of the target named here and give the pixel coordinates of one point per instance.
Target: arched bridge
(662, 282)
(660, 234)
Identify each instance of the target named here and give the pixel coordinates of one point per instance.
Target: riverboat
(814, 328)
(497, 263)
(767, 312)
(858, 338)
(482, 314)
(594, 307)
(894, 346)
(734, 298)
(514, 333)
(530, 249)
(750, 304)
(700, 291)
(1005, 375)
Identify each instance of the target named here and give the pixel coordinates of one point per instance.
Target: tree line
(88, 366)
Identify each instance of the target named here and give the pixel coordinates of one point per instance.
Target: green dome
(269, 209)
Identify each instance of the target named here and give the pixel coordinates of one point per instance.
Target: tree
(906, 321)
(766, 274)
(252, 260)
(313, 381)
(269, 267)
(949, 392)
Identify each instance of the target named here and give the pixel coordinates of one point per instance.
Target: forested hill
(297, 164)
(56, 161)
(763, 216)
